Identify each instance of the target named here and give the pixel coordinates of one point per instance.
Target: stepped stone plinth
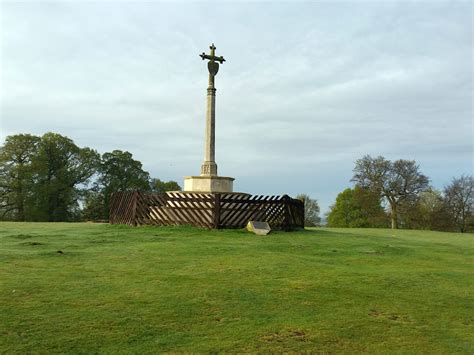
(208, 183)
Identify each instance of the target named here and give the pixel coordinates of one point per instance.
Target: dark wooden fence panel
(123, 208)
(212, 210)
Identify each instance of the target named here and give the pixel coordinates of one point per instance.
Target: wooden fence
(214, 210)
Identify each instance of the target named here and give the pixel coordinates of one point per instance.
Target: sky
(307, 87)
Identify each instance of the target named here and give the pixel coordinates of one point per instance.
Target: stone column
(208, 181)
(209, 166)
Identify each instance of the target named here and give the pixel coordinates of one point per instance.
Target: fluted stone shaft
(209, 166)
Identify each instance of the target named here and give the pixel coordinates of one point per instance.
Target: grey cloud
(308, 88)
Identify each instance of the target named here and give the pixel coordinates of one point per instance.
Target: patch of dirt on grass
(373, 252)
(284, 335)
(32, 243)
(390, 316)
(54, 253)
(105, 241)
(21, 236)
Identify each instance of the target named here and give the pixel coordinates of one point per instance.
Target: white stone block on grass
(259, 228)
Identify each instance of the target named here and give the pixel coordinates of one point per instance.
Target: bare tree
(459, 199)
(311, 211)
(396, 181)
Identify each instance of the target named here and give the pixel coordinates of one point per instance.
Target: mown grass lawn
(100, 288)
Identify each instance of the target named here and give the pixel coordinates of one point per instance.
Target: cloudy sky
(308, 87)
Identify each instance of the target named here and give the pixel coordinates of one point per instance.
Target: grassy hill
(99, 288)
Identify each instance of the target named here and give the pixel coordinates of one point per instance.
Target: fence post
(217, 210)
(111, 208)
(134, 208)
(287, 221)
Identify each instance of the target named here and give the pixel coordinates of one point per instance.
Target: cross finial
(212, 57)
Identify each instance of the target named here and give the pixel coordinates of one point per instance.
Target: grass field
(99, 288)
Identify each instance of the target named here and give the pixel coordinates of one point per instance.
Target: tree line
(50, 178)
(398, 195)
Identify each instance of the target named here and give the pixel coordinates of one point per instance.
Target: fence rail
(213, 210)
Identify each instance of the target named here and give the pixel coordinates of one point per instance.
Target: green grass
(138, 290)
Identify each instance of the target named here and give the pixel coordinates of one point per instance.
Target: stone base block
(208, 184)
(259, 228)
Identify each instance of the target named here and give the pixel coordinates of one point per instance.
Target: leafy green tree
(427, 211)
(163, 186)
(62, 171)
(432, 211)
(396, 181)
(311, 211)
(118, 171)
(16, 172)
(93, 209)
(357, 208)
(459, 200)
(344, 212)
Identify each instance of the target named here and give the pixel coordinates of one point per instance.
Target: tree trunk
(463, 220)
(394, 216)
(21, 210)
(21, 203)
(20, 216)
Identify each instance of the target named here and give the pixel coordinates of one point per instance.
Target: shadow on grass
(20, 236)
(188, 231)
(327, 233)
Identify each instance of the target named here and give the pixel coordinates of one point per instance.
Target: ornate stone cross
(209, 166)
(212, 57)
(209, 181)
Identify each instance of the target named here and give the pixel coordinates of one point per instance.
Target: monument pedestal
(209, 183)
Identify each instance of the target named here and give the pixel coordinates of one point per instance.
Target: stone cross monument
(209, 181)
(209, 166)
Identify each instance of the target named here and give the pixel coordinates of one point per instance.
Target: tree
(62, 171)
(459, 199)
(357, 208)
(49, 178)
(16, 157)
(161, 186)
(428, 212)
(432, 211)
(311, 211)
(118, 171)
(93, 209)
(396, 181)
